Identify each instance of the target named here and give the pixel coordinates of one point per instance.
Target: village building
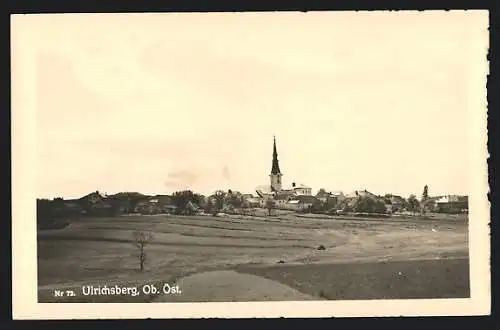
(301, 190)
(330, 199)
(156, 205)
(250, 201)
(361, 193)
(395, 203)
(452, 204)
(302, 202)
(283, 198)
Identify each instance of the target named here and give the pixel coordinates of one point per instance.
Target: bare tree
(245, 208)
(141, 239)
(270, 205)
(219, 197)
(209, 206)
(413, 204)
(235, 200)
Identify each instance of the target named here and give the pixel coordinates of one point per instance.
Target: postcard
(271, 164)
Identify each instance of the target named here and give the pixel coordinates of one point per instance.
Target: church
(275, 190)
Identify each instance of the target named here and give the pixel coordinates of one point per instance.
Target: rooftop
(263, 189)
(306, 199)
(284, 197)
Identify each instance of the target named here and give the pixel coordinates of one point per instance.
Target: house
(301, 189)
(293, 205)
(126, 202)
(163, 200)
(447, 199)
(330, 198)
(347, 204)
(282, 199)
(147, 206)
(452, 204)
(361, 193)
(398, 201)
(302, 203)
(263, 200)
(95, 204)
(234, 198)
(92, 198)
(264, 191)
(330, 202)
(322, 195)
(155, 204)
(395, 203)
(430, 204)
(252, 201)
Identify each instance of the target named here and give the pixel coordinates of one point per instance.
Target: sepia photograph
(295, 158)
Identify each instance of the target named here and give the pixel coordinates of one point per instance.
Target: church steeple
(275, 170)
(276, 166)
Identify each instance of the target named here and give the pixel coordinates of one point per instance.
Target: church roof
(275, 166)
(263, 190)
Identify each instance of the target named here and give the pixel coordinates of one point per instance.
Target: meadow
(258, 258)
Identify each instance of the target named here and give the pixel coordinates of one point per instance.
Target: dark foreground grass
(417, 279)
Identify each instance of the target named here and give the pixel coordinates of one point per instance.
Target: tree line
(54, 213)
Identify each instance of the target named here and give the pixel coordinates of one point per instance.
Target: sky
(156, 103)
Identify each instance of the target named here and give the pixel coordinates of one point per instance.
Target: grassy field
(236, 258)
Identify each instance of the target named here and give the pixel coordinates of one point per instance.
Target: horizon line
(104, 193)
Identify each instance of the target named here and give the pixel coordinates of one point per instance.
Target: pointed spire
(275, 168)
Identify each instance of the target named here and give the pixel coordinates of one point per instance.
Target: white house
(448, 199)
(301, 202)
(301, 190)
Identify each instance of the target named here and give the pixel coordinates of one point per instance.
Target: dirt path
(225, 285)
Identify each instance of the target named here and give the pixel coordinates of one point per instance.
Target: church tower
(275, 170)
